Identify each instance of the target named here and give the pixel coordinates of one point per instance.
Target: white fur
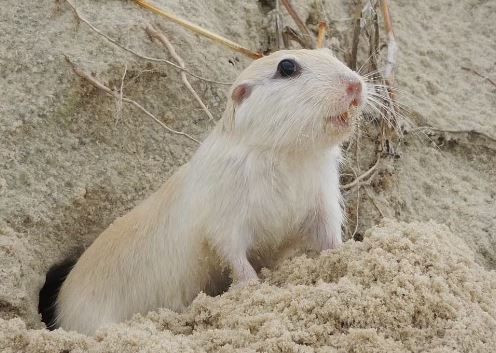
(266, 179)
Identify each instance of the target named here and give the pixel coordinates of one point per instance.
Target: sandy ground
(69, 164)
(405, 288)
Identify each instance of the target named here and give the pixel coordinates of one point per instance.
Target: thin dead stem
(93, 81)
(389, 126)
(374, 202)
(201, 31)
(357, 212)
(359, 179)
(300, 23)
(322, 33)
(480, 75)
(390, 67)
(289, 33)
(279, 27)
(116, 43)
(356, 38)
(118, 101)
(475, 132)
(152, 32)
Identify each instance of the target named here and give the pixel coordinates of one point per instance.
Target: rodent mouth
(342, 120)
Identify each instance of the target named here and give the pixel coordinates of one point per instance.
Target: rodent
(265, 180)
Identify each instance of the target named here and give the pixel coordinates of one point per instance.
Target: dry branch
(475, 132)
(78, 71)
(374, 202)
(152, 32)
(290, 34)
(322, 32)
(374, 43)
(197, 29)
(307, 37)
(357, 212)
(356, 38)
(115, 42)
(361, 177)
(390, 127)
(118, 101)
(480, 75)
(392, 52)
(279, 28)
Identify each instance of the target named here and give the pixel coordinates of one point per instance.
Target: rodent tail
(50, 291)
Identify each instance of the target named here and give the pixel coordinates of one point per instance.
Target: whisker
(366, 62)
(381, 113)
(394, 118)
(377, 71)
(396, 103)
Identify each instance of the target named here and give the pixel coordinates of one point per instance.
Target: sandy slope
(69, 165)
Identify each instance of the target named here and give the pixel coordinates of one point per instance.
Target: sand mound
(405, 288)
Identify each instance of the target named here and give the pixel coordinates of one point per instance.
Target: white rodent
(265, 180)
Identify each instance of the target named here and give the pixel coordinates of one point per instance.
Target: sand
(69, 164)
(406, 288)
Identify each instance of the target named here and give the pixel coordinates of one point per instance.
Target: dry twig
(374, 43)
(118, 101)
(389, 127)
(279, 27)
(289, 33)
(374, 202)
(299, 22)
(361, 177)
(197, 29)
(357, 212)
(152, 32)
(115, 42)
(392, 52)
(356, 37)
(480, 75)
(78, 71)
(475, 132)
(322, 32)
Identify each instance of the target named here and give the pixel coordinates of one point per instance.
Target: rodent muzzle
(353, 99)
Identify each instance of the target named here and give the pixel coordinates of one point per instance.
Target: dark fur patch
(50, 291)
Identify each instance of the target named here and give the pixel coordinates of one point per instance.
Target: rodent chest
(281, 202)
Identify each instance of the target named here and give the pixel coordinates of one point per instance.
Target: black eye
(287, 68)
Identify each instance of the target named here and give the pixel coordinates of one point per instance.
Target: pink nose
(354, 90)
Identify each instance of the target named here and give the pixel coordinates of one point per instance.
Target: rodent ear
(240, 93)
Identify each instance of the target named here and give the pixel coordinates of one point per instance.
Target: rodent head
(296, 99)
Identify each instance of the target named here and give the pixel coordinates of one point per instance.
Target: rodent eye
(287, 68)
